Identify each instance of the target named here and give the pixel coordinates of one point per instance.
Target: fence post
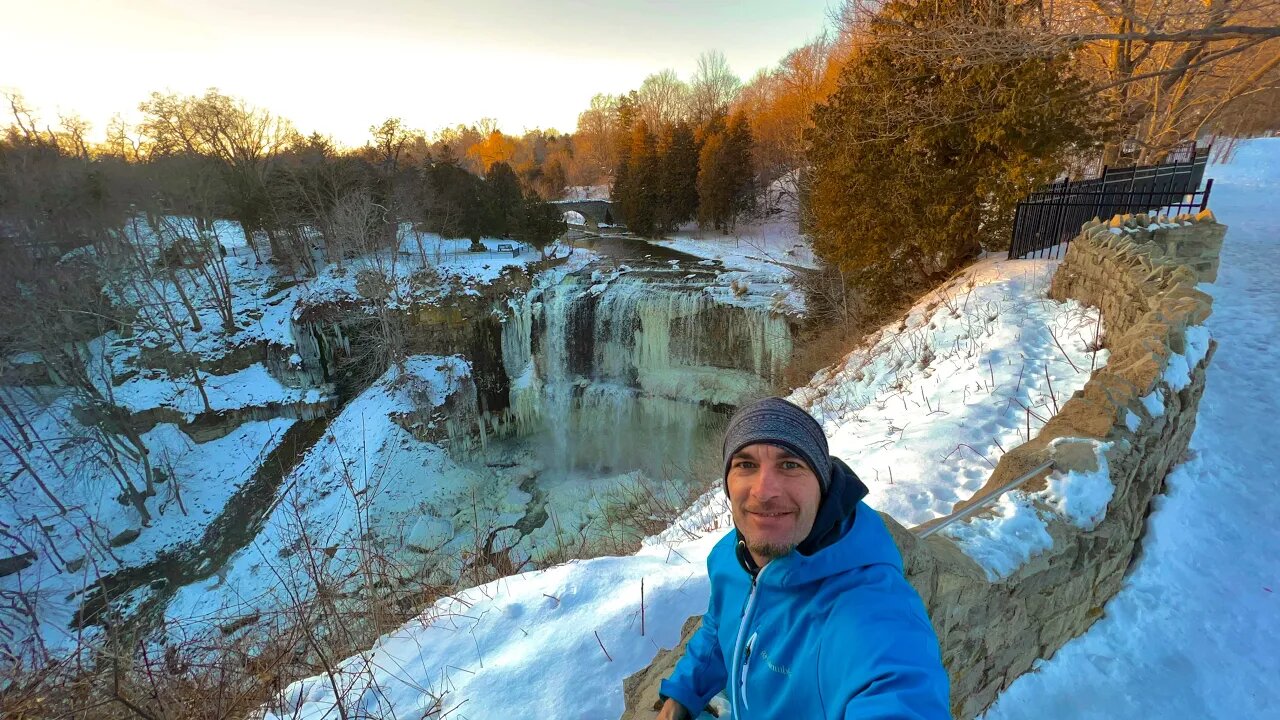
(1015, 243)
(1204, 201)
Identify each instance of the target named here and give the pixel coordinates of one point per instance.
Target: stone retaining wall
(1136, 414)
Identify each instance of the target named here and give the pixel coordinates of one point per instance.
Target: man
(810, 616)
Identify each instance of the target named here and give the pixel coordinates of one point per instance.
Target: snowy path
(1195, 632)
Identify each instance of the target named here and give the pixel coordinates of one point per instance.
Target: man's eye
(790, 465)
(744, 464)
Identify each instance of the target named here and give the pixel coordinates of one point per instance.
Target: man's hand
(672, 710)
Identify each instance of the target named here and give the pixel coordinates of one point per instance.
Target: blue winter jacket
(838, 633)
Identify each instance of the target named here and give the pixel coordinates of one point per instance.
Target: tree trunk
(196, 325)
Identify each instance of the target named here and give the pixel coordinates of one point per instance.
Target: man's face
(774, 497)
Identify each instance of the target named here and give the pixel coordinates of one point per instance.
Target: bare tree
(779, 103)
(596, 141)
(663, 99)
(245, 140)
(713, 87)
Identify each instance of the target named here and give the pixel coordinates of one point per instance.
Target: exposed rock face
(15, 563)
(991, 631)
(125, 537)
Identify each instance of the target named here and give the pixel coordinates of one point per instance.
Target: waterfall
(632, 372)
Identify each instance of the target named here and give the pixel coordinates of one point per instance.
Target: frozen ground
(367, 471)
(961, 367)
(69, 457)
(1195, 630)
(70, 460)
(757, 245)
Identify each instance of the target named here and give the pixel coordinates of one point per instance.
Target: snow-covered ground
(925, 412)
(252, 386)
(266, 302)
(69, 456)
(755, 245)
(756, 263)
(1195, 632)
(367, 472)
(586, 192)
(934, 395)
(71, 462)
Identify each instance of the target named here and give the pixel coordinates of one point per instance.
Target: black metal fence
(1047, 219)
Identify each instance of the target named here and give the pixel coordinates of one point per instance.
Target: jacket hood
(846, 534)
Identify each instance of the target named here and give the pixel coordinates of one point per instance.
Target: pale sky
(340, 66)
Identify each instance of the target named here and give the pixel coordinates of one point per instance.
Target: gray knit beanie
(778, 422)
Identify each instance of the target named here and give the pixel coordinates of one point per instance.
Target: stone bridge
(596, 212)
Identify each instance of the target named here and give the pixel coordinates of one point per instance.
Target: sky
(340, 66)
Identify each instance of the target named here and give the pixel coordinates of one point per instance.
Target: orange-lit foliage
(495, 148)
(779, 104)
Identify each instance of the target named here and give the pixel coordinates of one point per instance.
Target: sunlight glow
(340, 67)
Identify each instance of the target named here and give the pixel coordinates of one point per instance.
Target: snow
(578, 193)
(1194, 630)
(756, 246)
(924, 413)
(1154, 403)
(367, 471)
(1015, 528)
(202, 478)
(250, 387)
(1082, 495)
(1005, 537)
(1178, 372)
(759, 258)
(266, 301)
(561, 638)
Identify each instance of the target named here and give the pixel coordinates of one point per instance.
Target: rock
(16, 563)
(125, 537)
(640, 690)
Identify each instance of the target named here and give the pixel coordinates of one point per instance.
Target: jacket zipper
(741, 655)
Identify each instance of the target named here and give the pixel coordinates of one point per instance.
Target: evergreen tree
(742, 188)
(678, 178)
(636, 189)
(726, 180)
(452, 201)
(916, 160)
(502, 200)
(538, 223)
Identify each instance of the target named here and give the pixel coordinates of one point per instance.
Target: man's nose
(768, 483)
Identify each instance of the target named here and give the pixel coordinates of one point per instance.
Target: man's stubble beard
(769, 551)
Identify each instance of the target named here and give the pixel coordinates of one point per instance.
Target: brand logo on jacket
(774, 666)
